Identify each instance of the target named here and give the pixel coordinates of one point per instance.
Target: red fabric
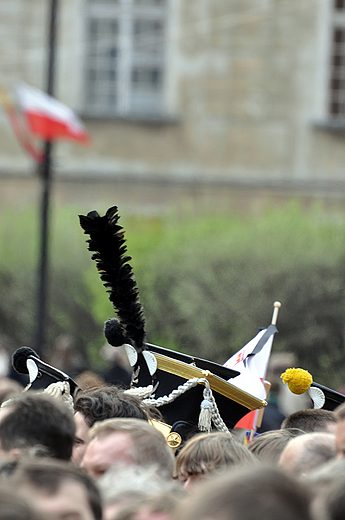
(253, 419)
(22, 135)
(50, 129)
(248, 421)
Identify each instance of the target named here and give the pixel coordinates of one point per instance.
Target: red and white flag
(252, 361)
(47, 118)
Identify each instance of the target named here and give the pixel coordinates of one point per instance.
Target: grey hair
(122, 483)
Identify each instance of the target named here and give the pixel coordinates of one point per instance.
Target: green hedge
(207, 284)
(211, 285)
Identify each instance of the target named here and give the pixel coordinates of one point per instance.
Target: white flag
(252, 361)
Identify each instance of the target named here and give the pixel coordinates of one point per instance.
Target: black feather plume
(110, 253)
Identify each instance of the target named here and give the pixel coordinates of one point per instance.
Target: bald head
(308, 451)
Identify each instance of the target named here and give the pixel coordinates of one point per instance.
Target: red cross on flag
(251, 361)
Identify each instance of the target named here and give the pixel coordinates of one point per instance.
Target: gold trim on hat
(181, 369)
(173, 439)
(163, 427)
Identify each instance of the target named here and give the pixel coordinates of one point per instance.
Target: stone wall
(246, 85)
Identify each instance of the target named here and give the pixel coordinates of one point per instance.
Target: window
(125, 59)
(337, 76)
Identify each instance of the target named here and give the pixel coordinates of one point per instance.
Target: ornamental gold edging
(178, 368)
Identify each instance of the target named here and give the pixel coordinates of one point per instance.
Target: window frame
(337, 24)
(126, 12)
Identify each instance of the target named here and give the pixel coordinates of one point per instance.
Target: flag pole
(276, 306)
(45, 175)
(260, 413)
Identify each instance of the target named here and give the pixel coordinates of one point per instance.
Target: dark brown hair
(108, 402)
(310, 420)
(38, 420)
(50, 474)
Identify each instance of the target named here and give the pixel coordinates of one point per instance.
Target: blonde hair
(209, 452)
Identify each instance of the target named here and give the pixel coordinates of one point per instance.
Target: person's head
(323, 476)
(14, 507)
(57, 489)
(267, 446)
(109, 402)
(321, 479)
(126, 441)
(36, 421)
(208, 453)
(311, 420)
(332, 504)
(149, 507)
(306, 452)
(122, 486)
(98, 405)
(254, 492)
(339, 413)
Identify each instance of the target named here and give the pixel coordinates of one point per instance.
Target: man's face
(81, 438)
(68, 503)
(340, 439)
(105, 451)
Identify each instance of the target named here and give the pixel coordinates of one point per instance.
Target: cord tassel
(205, 416)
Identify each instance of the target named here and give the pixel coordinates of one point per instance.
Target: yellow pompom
(297, 379)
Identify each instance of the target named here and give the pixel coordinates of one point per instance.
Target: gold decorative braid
(178, 368)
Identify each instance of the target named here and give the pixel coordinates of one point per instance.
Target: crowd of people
(104, 458)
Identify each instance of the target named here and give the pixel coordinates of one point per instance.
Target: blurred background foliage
(207, 283)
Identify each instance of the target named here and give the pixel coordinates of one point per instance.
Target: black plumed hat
(192, 393)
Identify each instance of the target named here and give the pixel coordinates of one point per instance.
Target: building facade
(199, 94)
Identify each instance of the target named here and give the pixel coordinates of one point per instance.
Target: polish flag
(47, 118)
